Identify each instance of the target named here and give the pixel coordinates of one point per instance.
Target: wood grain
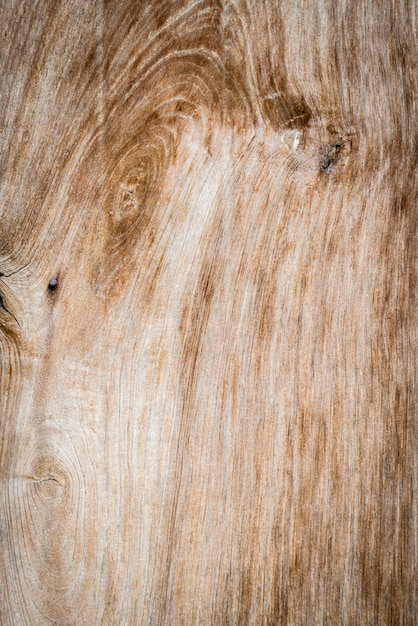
(210, 417)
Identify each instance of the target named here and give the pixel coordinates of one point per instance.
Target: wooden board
(208, 320)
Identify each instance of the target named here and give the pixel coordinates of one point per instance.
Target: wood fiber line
(208, 313)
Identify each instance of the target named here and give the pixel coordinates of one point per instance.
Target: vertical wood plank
(208, 316)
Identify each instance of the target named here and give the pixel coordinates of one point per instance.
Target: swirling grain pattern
(208, 314)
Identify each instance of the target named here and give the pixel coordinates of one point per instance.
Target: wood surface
(208, 417)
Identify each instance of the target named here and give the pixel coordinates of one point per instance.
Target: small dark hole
(53, 284)
(326, 163)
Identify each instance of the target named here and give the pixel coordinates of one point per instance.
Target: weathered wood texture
(210, 419)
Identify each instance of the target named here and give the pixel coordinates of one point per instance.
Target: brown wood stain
(210, 418)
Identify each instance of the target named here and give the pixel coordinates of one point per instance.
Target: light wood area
(208, 313)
